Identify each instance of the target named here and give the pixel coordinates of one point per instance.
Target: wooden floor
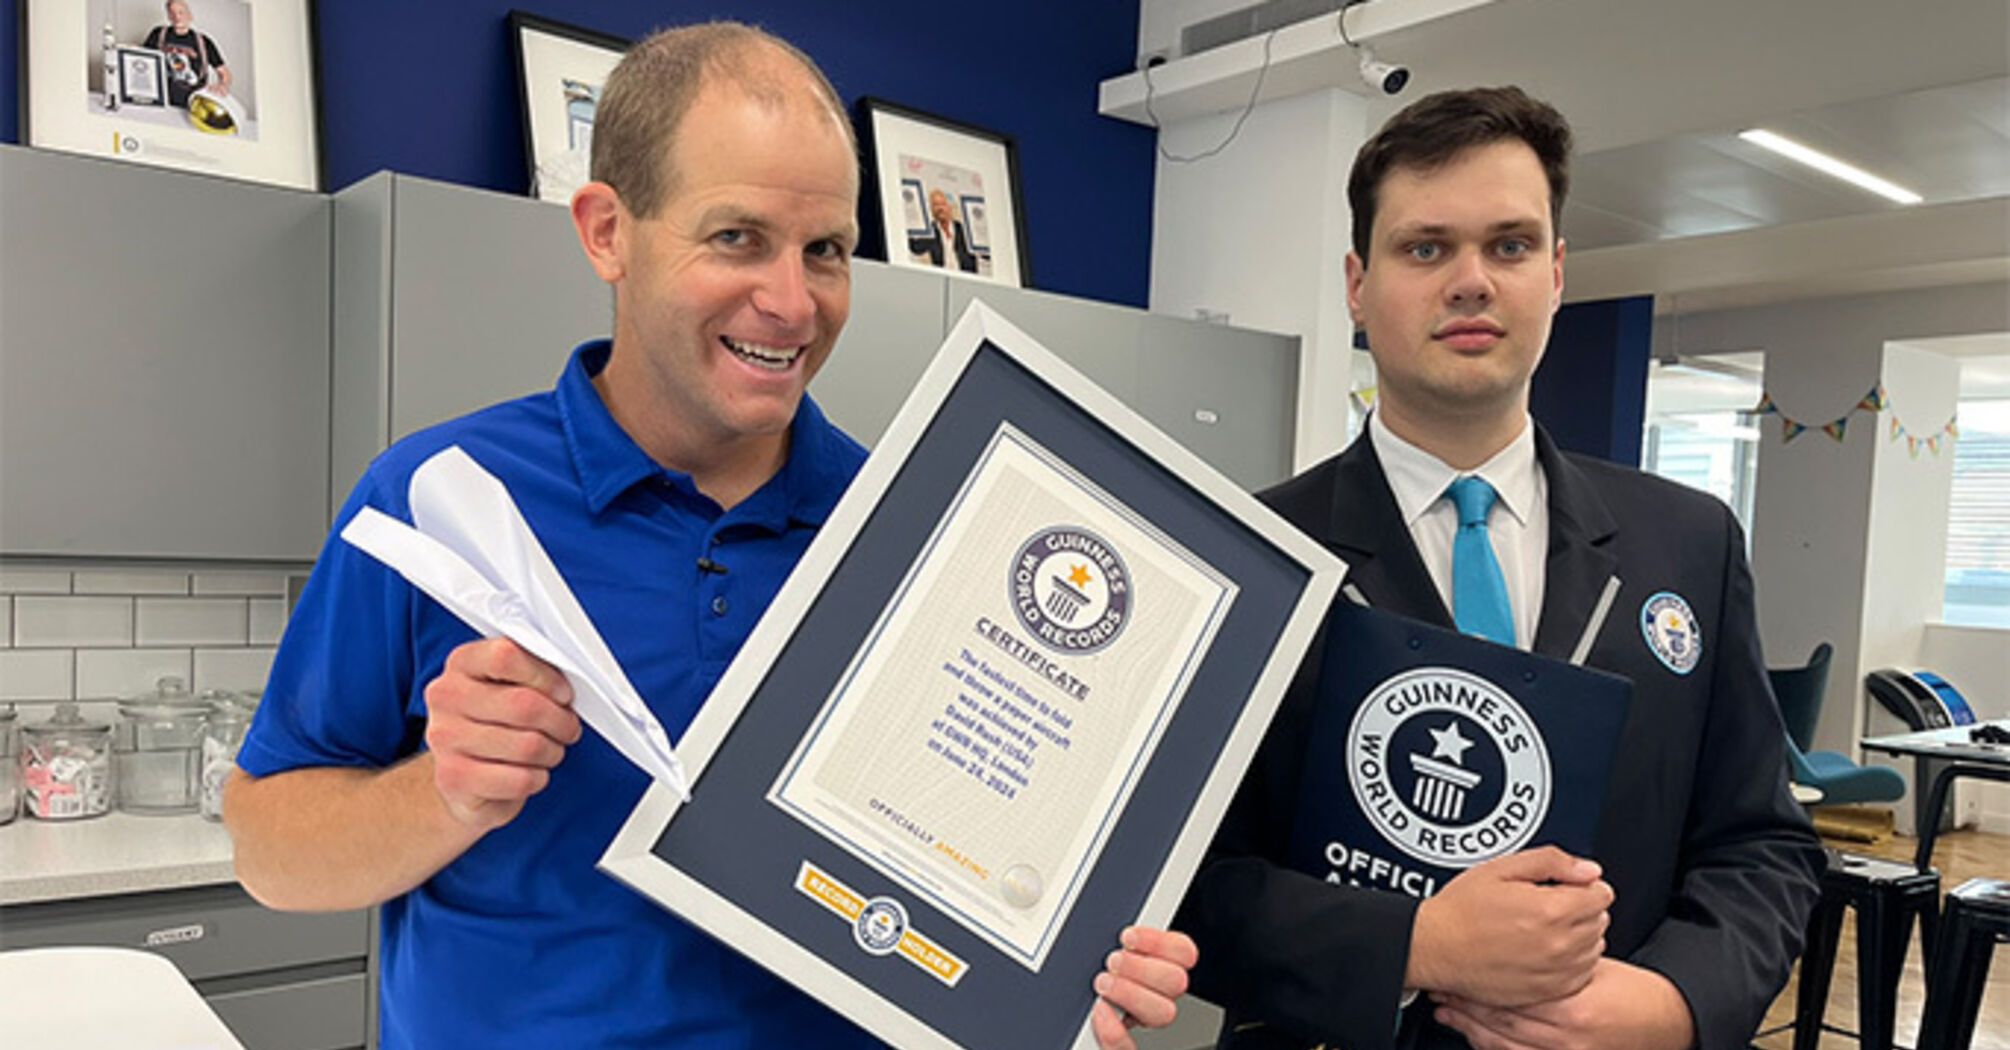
(1960, 856)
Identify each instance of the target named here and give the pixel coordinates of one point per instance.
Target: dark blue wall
(1591, 391)
(429, 88)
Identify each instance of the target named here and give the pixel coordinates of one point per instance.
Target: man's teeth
(775, 357)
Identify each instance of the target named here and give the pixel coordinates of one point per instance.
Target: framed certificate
(995, 714)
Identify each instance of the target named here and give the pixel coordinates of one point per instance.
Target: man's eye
(1515, 247)
(1425, 252)
(731, 238)
(830, 250)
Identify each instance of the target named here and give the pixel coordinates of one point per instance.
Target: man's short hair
(652, 88)
(1433, 130)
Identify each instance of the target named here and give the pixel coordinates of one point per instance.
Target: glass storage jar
(229, 717)
(158, 750)
(66, 766)
(10, 770)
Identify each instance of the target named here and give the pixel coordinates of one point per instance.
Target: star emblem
(1449, 743)
(1080, 577)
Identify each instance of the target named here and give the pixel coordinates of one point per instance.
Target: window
(1978, 518)
(1699, 430)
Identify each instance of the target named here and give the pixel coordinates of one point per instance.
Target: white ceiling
(1666, 200)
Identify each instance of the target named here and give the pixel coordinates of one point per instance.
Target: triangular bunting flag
(1912, 446)
(1789, 430)
(1873, 401)
(1765, 407)
(1835, 429)
(1896, 428)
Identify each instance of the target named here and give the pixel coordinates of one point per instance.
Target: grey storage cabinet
(448, 299)
(163, 363)
(1229, 395)
(279, 981)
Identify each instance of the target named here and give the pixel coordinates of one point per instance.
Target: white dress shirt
(1518, 523)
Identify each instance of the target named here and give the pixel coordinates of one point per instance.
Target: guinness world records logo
(1448, 767)
(879, 926)
(1070, 589)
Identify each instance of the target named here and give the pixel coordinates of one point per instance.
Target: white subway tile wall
(190, 621)
(261, 584)
(51, 622)
(99, 581)
(109, 673)
(268, 620)
(34, 581)
(35, 674)
(87, 633)
(235, 669)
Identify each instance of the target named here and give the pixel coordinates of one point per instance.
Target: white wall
(1814, 515)
(1260, 231)
(1977, 661)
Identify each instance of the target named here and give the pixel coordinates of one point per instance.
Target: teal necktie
(1480, 603)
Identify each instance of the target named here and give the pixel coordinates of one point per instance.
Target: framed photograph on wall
(222, 87)
(966, 175)
(560, 71)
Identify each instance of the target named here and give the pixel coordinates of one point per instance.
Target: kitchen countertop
(115, 853)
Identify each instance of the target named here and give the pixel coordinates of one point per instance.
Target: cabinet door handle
(175, 935)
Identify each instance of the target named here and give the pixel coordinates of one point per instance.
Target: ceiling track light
(1828, 165)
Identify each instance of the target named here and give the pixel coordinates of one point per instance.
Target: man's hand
(1139, 984)
(1625, 1007)
(1520, 929)
(498, 720)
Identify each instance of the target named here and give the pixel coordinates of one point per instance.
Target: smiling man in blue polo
(675, 476)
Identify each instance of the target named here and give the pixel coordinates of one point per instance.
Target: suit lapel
(1366, 529)
(1580, 559)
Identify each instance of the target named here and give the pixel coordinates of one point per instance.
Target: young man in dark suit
(1685, 926)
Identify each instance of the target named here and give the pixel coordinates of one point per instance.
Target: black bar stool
(1977, 917)
(1887, 897)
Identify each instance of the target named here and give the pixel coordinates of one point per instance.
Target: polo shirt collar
(609, 462)
(1418, 479)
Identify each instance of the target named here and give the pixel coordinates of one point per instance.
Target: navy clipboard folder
(1431, 752)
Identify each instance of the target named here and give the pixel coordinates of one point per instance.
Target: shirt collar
(1418, 479)
(609, 462)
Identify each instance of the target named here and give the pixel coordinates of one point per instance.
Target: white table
(105, 999)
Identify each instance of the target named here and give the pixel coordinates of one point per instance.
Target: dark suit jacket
(931, 246)
(1714, 866)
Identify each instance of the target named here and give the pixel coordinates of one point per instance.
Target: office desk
(1954, 755)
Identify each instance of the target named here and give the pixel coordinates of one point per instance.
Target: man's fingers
(1165, 978)
(521, 707)
(1108, 1025)
(1149, 1007)
(1481, 1035)
(504, 661)
(1176, 948)
(1547, 864)
(508, 745)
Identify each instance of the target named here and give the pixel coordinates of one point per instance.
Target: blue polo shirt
(520, 942)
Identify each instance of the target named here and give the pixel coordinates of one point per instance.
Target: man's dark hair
(1434, 129)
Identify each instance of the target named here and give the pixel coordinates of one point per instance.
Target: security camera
(1386, 78)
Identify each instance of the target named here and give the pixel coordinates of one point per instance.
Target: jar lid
(68, 719)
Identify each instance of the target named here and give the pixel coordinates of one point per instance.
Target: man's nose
(1469, 280)
(784, 292)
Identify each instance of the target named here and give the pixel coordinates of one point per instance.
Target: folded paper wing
(470, 549)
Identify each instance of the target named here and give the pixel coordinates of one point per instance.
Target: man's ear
(1356, 272)
(1556, 297)
(602, 223)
